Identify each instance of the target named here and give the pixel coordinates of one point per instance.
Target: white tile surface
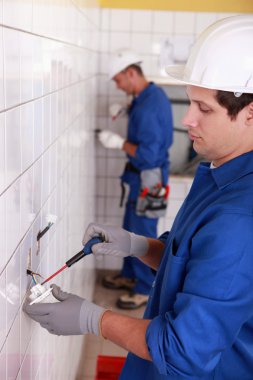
(203, 20)
(141, 43)
(27, 133)
(105, 19)
(184, 23)
(163, 22)
(3, 359)
(26, 67)
(119, 40)
(11, 42)
(2, 232)
(2, 101)
(13, 145)
(12, 218)
(3, 306)
(38, 128)
(13, 350)
(18, 14)
(2, 152)
(142, 21)
(13, 289)
(120, 20)
(1, 11)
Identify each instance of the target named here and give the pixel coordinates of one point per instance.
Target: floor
(94, 345)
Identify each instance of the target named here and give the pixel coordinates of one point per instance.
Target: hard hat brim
(177, 73)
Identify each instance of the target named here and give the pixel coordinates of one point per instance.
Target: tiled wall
(48, 81)
(146, 32)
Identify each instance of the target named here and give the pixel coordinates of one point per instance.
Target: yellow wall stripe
(234, 6)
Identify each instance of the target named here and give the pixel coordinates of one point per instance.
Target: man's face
(123, 82)
(215, 136)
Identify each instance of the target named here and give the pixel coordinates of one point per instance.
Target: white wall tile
(13, 350)
(2, 152)
(26, 67)
(26, 200)
(1, 11)
(163, 22)
(37, 66)
(119, 40)
(27, 132)
(3, 316)
(13, 145)
(3, 359)
(2, 100)
(2, 232)
(142, 21)
(184, 23)
(141, 43)
(120, 20)
(18, 14)
(13, 288)
(12, 219)
(203, 20)
(11, 42)
(105, 19)
(38, 128)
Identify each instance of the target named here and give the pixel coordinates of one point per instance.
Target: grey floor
(95, 346)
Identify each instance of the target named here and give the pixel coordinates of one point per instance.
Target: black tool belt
(131, 168)
(128, 168)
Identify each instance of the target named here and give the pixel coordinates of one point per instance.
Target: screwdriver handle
(87, 249)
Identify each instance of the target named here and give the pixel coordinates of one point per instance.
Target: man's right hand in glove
(117, 241)
(111, 140)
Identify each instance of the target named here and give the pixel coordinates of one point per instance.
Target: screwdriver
(87, 249)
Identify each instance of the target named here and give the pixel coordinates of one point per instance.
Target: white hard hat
(121, 59)
(221, 58)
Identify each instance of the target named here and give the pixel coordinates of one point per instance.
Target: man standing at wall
(149, 136)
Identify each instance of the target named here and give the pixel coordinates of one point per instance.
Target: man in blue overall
(149, 136)
(198, 324)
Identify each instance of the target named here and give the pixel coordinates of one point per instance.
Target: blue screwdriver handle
(87, 249)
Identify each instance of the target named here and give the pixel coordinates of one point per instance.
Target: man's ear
(249, 120)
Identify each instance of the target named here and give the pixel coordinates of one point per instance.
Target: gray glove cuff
(139, 245)
(90, 315)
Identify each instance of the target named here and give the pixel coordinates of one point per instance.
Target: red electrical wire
(53, 275)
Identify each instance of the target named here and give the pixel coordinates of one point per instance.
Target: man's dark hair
(136, 68)
(232, 103)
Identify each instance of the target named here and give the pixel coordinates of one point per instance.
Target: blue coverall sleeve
(215, 301)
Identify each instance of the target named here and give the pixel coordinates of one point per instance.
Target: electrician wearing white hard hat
(198, 324)
(149, 137)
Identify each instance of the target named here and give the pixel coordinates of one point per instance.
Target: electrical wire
(34, 280)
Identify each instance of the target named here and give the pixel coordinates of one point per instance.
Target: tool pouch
(153, 196)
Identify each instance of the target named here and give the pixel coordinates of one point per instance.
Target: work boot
(132, 301)
(118, 282)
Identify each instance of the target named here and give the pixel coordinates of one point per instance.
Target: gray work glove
(73, 315)
(117, 241)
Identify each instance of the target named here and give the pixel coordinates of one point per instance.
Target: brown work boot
(132, 301)
(118, 282)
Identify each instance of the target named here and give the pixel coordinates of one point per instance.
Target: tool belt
(152, 200)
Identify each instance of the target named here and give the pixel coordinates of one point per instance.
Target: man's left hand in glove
(73, 315)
